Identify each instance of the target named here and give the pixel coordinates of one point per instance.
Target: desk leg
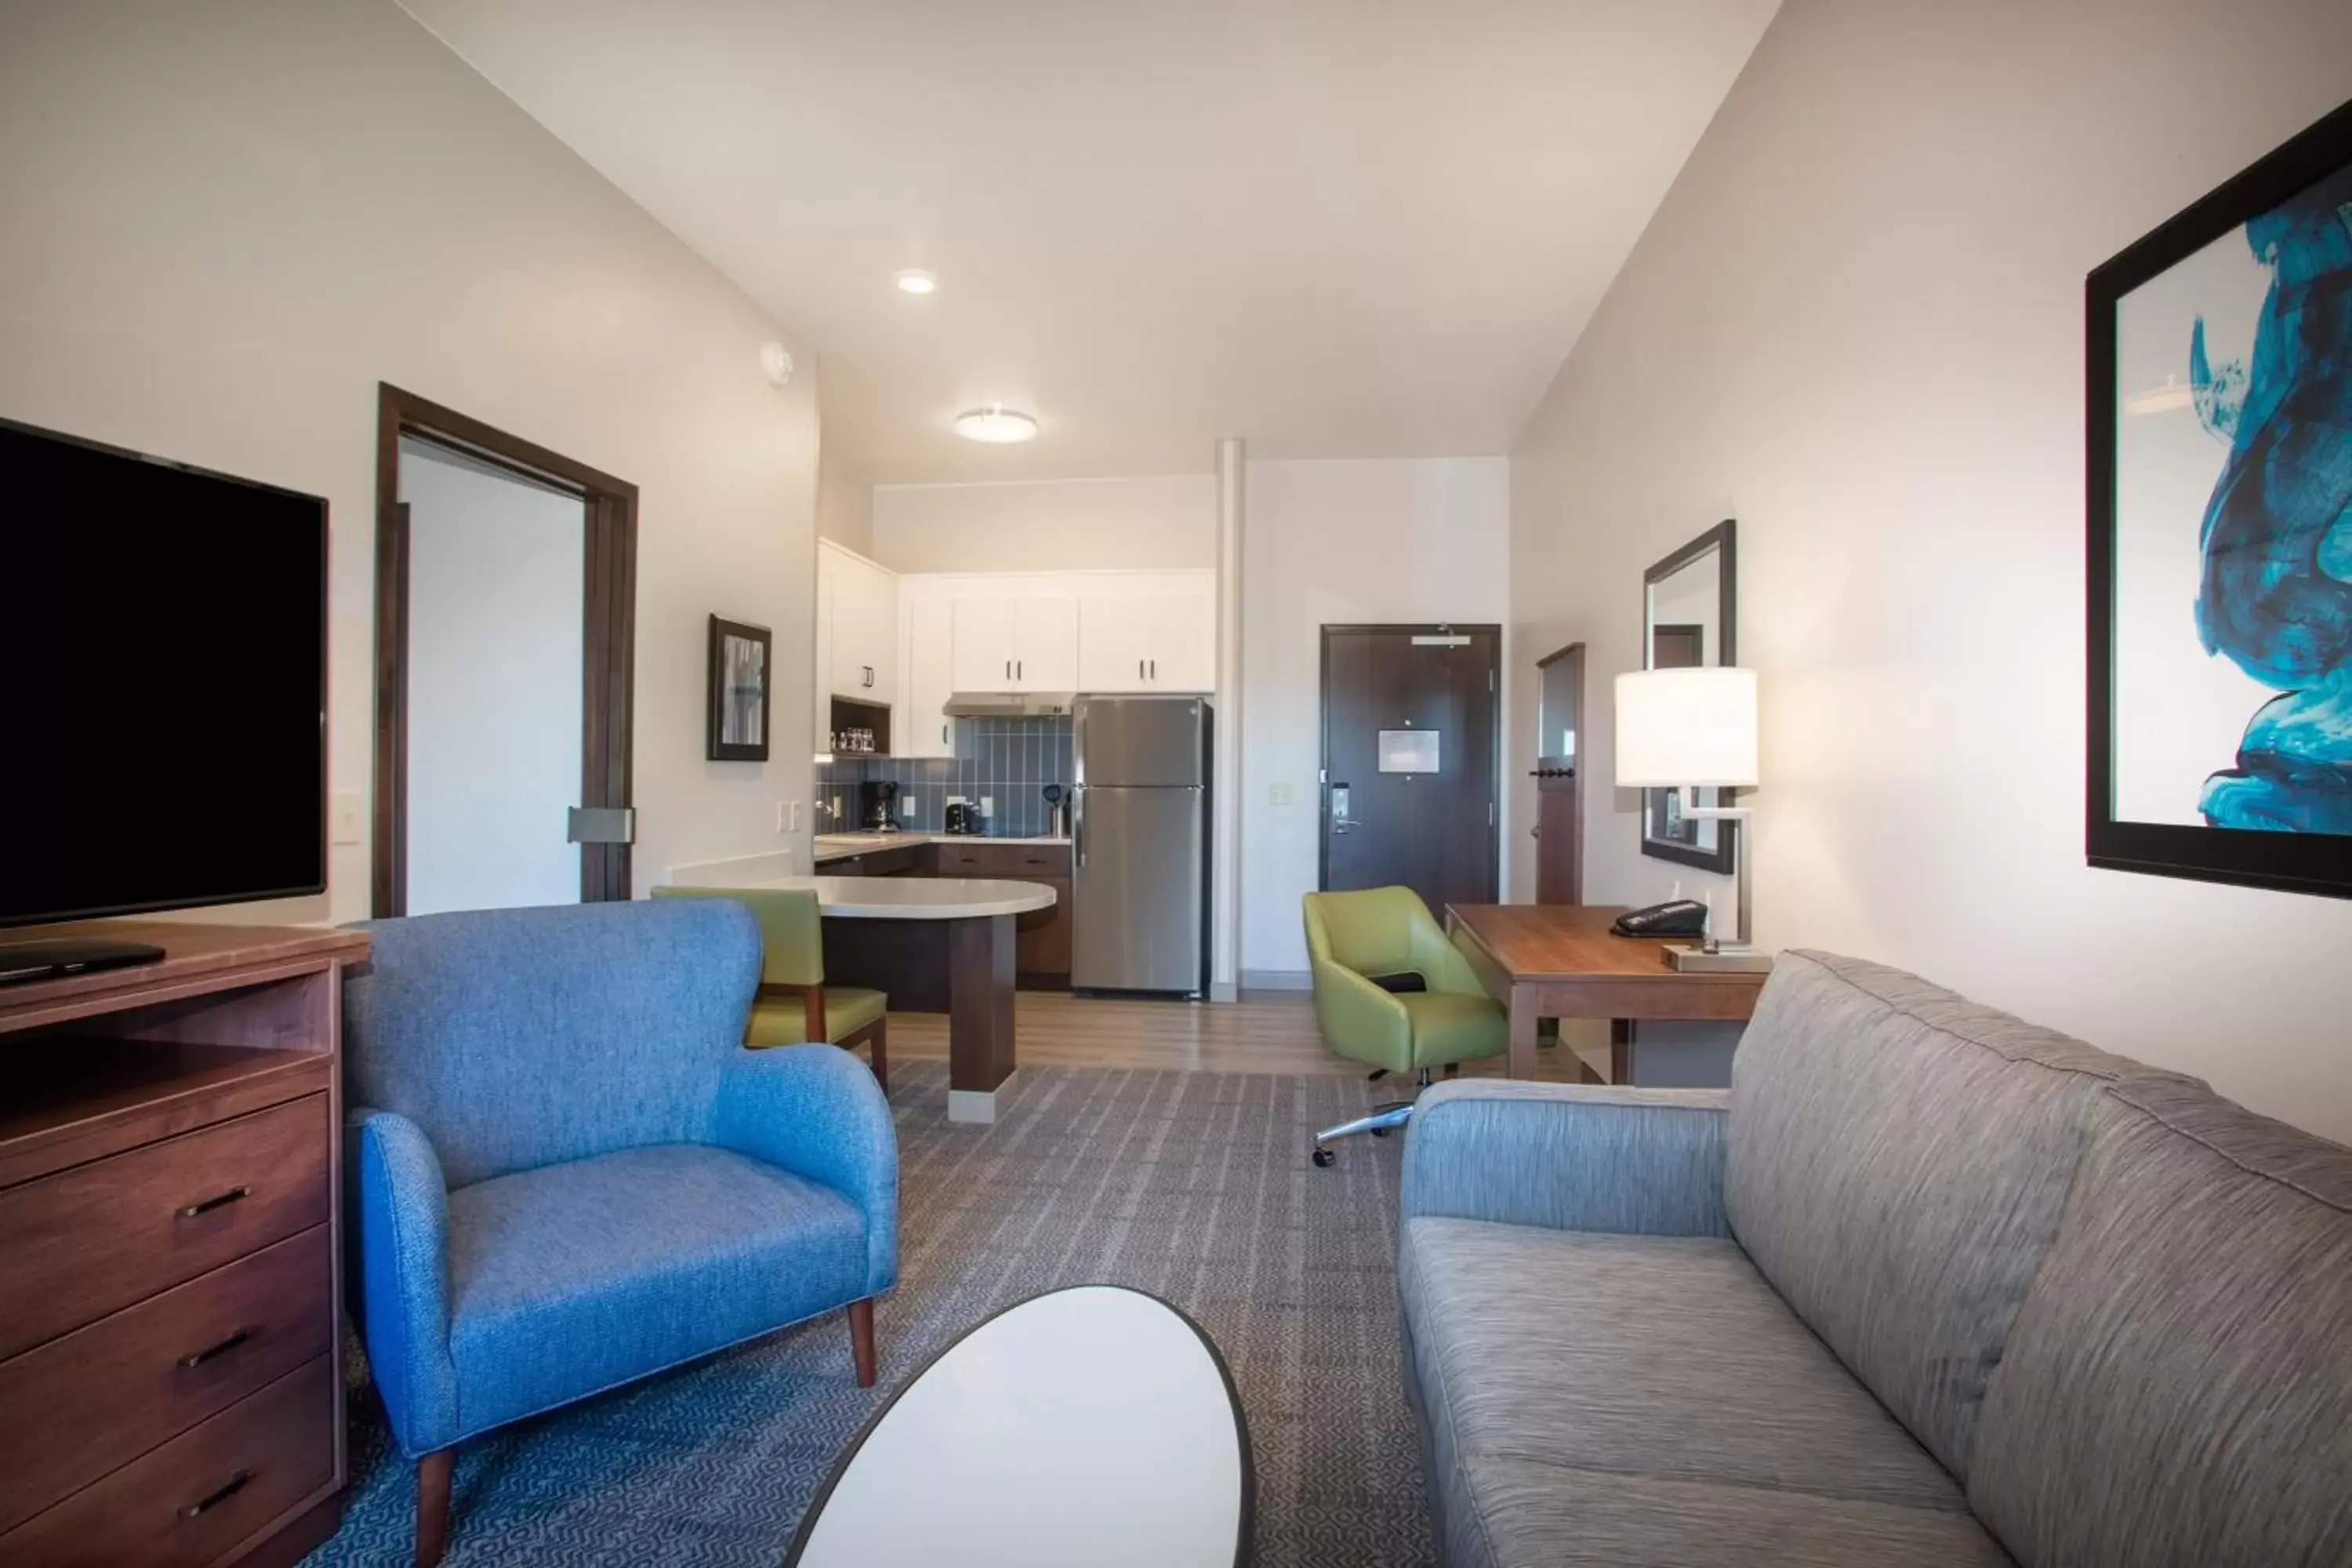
(1525, 1026)
(1621, 1050)
(979, 1015)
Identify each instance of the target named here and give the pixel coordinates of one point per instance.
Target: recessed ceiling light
(914, 281)
(995, 424)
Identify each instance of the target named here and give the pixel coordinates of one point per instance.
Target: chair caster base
(1323, 1157)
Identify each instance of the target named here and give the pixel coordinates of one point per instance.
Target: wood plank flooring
(1267, 1031)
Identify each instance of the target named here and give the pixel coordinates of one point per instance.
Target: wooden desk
(1559, 961)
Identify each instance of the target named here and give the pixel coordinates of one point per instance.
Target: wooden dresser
(170, 1173)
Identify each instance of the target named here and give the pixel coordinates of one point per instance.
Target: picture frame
(741, 674)
(1689, 617)
(2219, 709)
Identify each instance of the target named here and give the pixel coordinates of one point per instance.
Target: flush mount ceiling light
(995, 424)
(915, 280)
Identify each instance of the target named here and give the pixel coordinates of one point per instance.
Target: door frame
(608, 622)
(1494, 731)
(1575, 782)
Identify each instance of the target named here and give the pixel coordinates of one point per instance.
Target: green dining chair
(1392, 991)
(794, 1004)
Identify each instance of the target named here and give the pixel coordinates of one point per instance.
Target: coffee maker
(878, 806)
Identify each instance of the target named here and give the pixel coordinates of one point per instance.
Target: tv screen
(162, 642)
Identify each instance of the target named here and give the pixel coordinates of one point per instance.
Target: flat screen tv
(163, 650)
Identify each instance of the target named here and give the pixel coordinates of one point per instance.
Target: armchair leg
(880, 1047)
(433, 1472)
(861, 1343)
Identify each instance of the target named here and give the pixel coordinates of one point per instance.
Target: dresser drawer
(1014, 860)
(78, 1407)
(200, 1493)
(88, 1241)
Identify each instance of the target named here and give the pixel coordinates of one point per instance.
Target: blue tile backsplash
(1009, 760)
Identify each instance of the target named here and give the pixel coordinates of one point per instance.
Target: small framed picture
(739, 693)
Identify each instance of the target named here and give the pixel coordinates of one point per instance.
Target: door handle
(1078, 827)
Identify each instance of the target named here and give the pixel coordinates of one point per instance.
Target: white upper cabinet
(1149, 634)
(1010, 644)
(920, 727)
(858, 604)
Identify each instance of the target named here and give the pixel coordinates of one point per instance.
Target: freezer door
(1139, 741)
(1135, 907)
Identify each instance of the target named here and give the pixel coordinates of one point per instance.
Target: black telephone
(1675, 917)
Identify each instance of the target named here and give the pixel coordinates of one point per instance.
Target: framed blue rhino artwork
(2219, 468)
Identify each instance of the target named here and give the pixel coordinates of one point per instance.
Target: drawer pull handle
(222, 1348)
(234, 1485)
(230, 1196)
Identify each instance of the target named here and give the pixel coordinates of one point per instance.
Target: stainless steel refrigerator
(1140, 903)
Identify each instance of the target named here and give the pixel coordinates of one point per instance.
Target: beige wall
(845, 504)
(1855, 325)
(1339, 542)
(227, 222)
(1075, 524)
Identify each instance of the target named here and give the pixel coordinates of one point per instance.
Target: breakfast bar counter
(935, 944)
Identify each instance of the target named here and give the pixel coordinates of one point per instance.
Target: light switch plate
(906, 805)
(346, 817)
(1277, 794)
(988, 806)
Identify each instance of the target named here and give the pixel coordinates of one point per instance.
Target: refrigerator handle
(1078, 827)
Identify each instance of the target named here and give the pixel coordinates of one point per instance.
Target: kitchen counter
(841, 846)
(919, 898)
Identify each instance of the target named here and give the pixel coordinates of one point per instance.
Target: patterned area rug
(1194, 1186)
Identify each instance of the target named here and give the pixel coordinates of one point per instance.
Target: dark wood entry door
(1410, 727)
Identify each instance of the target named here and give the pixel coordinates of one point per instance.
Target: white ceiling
(1336, 228)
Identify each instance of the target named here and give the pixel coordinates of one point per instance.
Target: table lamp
(1690, 730)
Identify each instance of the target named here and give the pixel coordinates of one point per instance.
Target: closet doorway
(506, 588)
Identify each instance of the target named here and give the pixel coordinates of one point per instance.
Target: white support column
(1226, 884)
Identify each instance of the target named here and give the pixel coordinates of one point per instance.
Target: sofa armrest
(816, 1111)
(1645, 1162)
(400, 1252)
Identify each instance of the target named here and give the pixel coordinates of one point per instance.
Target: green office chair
(1357, 940)
(794, 1004)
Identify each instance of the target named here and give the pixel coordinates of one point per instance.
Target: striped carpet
(1194, 1186)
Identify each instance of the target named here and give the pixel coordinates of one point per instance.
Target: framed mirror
(1686, 620)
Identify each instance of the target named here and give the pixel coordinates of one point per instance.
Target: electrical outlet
(346, 817)
(906, 805)
(833, 810)
(988, 806)
(1277, 794)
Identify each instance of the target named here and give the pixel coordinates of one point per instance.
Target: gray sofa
(1927, 1285)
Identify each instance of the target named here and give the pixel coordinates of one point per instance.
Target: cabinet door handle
(1155, 669)
(1020, 670)
(211, 1352)
(222, 1201)
(1138, 669)
(235, 1485)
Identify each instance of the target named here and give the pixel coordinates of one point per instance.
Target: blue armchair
(567, 1172)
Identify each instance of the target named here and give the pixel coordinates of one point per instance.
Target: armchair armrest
(816, 1111)
(1644, 1162)
(400, 1208)
(1350, 1008)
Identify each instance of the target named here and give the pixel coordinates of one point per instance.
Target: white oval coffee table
(1085, 1426)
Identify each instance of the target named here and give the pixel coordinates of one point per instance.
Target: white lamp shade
(1678, 726)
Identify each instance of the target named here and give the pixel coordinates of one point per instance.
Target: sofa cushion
(2177, 1390)
(1896, 1164)
(1616, 1399)
(571, 1279)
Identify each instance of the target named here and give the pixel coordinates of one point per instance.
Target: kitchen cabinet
(1016, 644)
(927, 679)
(1162, 640)
(1041, 939)
(859, 618)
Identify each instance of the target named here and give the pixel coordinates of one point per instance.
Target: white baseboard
(1277, 980)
